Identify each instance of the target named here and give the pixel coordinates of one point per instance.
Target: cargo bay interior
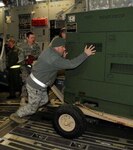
(90, 107)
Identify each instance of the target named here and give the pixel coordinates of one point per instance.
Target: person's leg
(44, 97)
(24, 96)
(34, 100)
(24, 75)
(11, 84)
(24, 93)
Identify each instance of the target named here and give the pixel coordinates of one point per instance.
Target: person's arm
(21, 59)
(38, 50)
(63, 63)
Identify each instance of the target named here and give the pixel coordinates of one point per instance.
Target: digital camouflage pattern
(24, 53)
(36, 99)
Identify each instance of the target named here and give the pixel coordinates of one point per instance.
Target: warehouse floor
(39, 134)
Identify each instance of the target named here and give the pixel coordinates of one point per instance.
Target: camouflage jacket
(27, 50)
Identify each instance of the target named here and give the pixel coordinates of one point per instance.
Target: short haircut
(62, 30)
(12, 40)
(29, 33)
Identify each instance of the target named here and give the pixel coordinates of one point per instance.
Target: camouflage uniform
(26, 51)
(36, 99)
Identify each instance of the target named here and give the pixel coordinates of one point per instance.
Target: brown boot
(17, 119)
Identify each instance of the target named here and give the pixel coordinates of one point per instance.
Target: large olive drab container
(104, 81)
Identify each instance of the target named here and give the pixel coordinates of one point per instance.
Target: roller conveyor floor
(39, 134)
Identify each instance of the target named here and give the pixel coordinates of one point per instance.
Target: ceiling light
(2, 4)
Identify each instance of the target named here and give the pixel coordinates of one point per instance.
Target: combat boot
(17, 119)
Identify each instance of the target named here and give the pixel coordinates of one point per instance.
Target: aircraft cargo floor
(39, 134)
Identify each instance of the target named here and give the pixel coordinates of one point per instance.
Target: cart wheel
(69, 121)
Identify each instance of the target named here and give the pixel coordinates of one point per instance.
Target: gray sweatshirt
(49, 63)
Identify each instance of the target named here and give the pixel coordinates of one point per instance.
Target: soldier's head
(58, 44)
(30, 37)
(11, 42)
(62, 33)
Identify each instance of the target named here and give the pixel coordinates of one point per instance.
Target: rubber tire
(76, 114)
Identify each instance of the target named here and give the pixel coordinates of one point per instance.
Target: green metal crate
(104, 81)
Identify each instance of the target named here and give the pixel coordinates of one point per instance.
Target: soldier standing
(28, 55)
(62, 33)
(14, 81)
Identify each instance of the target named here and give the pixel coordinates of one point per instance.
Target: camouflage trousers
(25, 73)
(36, 99)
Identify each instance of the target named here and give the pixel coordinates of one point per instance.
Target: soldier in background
(14, 80)
(62, 33)
(28, 55)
